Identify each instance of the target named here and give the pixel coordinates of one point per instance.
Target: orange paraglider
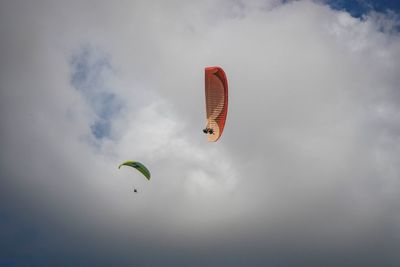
(216, 89)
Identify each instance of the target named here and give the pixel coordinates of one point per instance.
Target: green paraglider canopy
(137, 165)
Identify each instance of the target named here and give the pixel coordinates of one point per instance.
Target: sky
(306, 173)
(359, 8)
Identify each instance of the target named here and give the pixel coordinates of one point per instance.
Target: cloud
(306, 173)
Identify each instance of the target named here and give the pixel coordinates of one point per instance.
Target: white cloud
(309, 157)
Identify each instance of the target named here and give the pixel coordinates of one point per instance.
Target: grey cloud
(306, 173)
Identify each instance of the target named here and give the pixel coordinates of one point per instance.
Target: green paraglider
(137, 165)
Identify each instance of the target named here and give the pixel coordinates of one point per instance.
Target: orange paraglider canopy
(216, 88)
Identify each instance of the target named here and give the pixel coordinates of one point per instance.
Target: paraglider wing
(137, 165)
(216, 89)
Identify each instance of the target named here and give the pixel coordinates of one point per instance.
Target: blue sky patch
(91, 69)
(358, 8)
(101, 128)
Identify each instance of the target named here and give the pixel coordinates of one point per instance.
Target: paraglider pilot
(208, 130)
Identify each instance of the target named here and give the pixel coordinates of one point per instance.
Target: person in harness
(208, 130)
